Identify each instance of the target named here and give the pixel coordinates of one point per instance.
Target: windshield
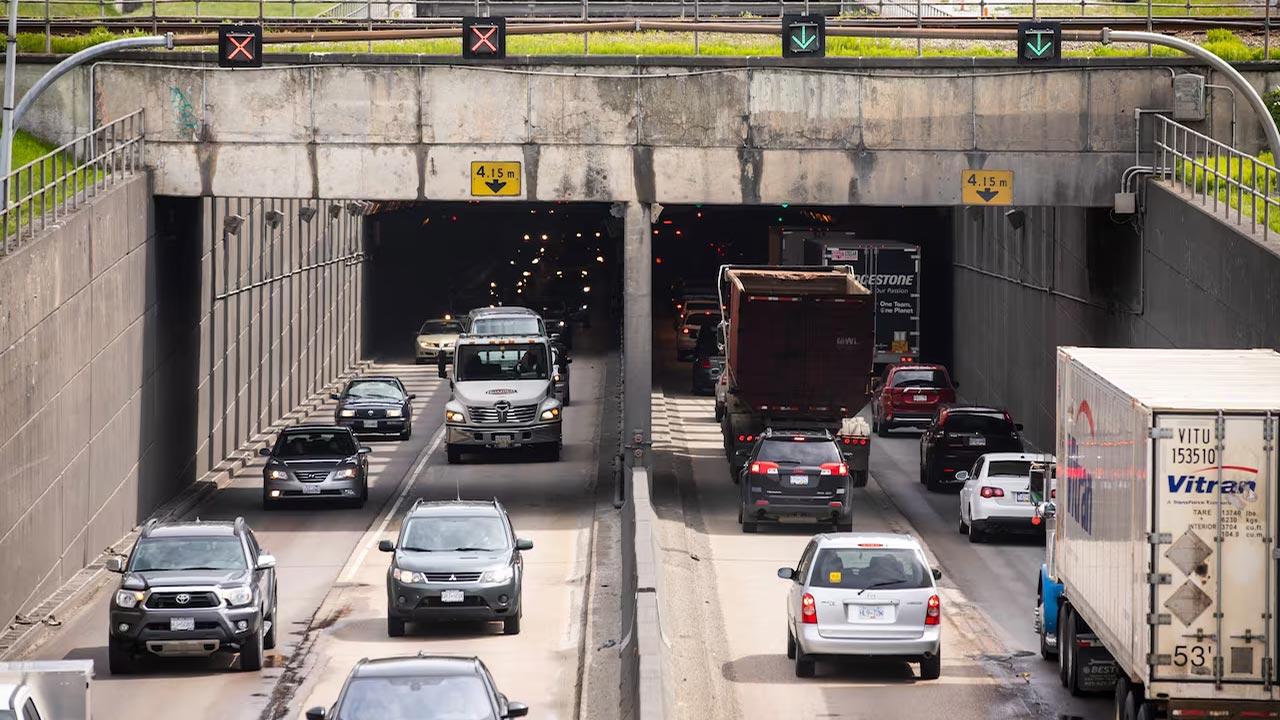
(862, 568)
(441, 327)
(438, 534)
(307, 444)
(528, 325)
(807, 452)
(701, 319)
(200, 553)
(708, 343)
(457, 697)
(374, 390)
(919, 378)
(502, 362)
(981, 424)
(1014, 468)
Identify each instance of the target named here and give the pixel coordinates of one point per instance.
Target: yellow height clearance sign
(986, 187)
(495, 179)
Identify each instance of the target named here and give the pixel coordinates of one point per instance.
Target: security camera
(334, 209)
(231, 224)
(1016, 218)
(274, 218)
(305, 213)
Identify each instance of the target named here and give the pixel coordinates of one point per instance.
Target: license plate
(451, 596)
(977, 442)
(1022, 497)
(503, 440)
(370, 424)
(920, 398)
(182, 624)
(310, 489)
(871, 613)
(799, 479)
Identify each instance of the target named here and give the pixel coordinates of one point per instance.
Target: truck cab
(503, 396)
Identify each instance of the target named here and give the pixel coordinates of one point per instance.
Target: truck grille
(169, 600)
(371, 413)
(490, 416)
(467, 577)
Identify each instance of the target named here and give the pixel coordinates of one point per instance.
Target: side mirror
(524, 544)
(962, 475)
(386, 546)
(115, 564)
(1017, 426)
(364, 450)
(316, 713)
(568, 361)
(264, 452)
(412, 396)
(787, 573)
(937, 574)
(266, 562)
(516, 710)
(955, 384)
(335, 396)
(1047, 510)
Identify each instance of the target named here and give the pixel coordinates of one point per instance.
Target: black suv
(958, 436)
(455, 560)
(422, 686)
(375, 406)
(796, 473)
(193, 589)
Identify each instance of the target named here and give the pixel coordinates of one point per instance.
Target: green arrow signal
(804, 40)
(1041, 47)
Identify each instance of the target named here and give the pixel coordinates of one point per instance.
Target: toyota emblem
(183, 598)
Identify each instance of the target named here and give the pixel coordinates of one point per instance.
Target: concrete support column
(637, 334)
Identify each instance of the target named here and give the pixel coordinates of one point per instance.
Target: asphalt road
(331, 578)
(731, 591)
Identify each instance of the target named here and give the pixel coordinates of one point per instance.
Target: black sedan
(376, 405)
(958, 436)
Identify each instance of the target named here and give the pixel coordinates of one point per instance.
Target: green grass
(29, 149)
(1201, 176)
(1159, 8)
(66, 9)
(174, 9)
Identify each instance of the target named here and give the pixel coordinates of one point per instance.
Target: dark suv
(193, 589)
(958, 436)
(795, 473)
(708, 360)
(455, 560)
(424, 686)
(909, 395)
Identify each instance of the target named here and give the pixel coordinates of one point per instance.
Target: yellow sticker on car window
(834, 576)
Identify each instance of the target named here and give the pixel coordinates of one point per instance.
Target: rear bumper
(1012, 516)
(482, 436)
(908, 418)
(926, 645)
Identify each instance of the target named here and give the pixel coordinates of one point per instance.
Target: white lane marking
(410, 480)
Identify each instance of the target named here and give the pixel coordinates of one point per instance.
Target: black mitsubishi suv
(796, 473)
(193, 589)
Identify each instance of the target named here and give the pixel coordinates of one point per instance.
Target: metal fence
(1234, 185)
(57, 184)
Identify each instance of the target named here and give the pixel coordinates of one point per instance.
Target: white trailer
(45, 690)
(1165, 527)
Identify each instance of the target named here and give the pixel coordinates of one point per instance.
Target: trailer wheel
(1064, 637)
(1146, 711)
(1123, 707)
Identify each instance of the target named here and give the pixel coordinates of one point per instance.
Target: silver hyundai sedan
(864, 594)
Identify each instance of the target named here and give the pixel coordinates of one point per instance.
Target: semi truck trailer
(1161, 569)
(48, 689)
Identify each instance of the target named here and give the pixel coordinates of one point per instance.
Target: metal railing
(59, 183)
(1233, 185)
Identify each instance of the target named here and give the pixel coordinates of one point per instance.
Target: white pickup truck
(45, 690)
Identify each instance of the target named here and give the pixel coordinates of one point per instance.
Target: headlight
(129, 598)
(555, 378)
(551, 413)
(423, 343)
(453, 416)
(394, 413)
(348, 413)
(236, 597)
(345, 473)
(408, 576)
(500, 575)
(278, 475)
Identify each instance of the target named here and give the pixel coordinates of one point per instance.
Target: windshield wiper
(417, 549)
(184, 569)
(475, 549)
(882, 583)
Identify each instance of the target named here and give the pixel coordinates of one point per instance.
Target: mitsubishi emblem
(453, 578)
(183, 598)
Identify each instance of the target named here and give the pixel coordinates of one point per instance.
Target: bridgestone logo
(874, 280)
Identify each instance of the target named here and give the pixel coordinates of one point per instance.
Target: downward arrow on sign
(495, 185)
(804, 40)
(1041, 46)
(987, 194)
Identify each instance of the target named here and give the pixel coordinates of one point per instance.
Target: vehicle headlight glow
(424, 343)
(551, 413)
(236, 597)
(129, 598)
(454, 416)
(498, 575)
(394, 413)
(408, 576)
(278, 475)
(348, 413)
(345, 473)
(555, 378)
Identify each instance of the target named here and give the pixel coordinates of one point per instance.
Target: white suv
(997, 494)
(864, 594)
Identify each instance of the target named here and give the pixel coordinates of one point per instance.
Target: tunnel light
(542, 249)
(586, 288)
(584, 273)
(597, 234)
(578, 235)
(493, 284)
(526, 237)
(535, 261)
(678, 232)
(544, 237)
(559, 273)
(599, 258)
(526, 273)
(519, 291)
(513, 262)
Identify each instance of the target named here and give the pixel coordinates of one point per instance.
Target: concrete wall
(1072, 276)
(124, 378)
(731, 131)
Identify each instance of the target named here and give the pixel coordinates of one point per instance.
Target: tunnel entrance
(429, 260)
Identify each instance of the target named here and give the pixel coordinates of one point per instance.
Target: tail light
(1053, 493)
(685, 330)
(990, 492)
(933, 615)
(706, 363)
(746, 438)
(764, 468)
(834, 469)
(855, 440)
(808, 611)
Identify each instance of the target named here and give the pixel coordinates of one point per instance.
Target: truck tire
(1146, 711)
(1125, 701)
(269, 638)
(251, 652)
(882, 430)
(453, 453)
(719, 412)
(1045, 652)
(860, 478)
(976, 533)
(120, 656)
(395, 627)
(1064, 615)
(748, 526)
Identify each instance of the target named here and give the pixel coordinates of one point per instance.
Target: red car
(908, 395)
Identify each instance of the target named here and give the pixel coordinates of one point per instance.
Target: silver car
(864, 594)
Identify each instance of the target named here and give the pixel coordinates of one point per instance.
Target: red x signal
(241, 47)
(483, 36)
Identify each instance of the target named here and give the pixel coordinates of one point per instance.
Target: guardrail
(1233, 185)
(57, 184)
